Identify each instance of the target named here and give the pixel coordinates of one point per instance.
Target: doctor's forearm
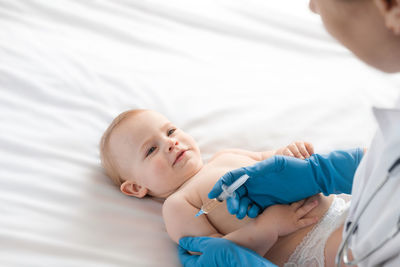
(335, 171)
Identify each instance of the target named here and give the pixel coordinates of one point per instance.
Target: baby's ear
(391, 13)
(131, 188)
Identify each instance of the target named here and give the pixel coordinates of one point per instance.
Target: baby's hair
(106, 159)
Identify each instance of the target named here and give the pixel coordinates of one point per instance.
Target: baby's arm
(296, 149)
(258, 235)
(180, 220)
(278, 220)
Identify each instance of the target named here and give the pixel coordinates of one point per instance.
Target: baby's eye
(151, 150)
(171, 131)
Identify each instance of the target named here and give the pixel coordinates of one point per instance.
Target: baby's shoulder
(173, 200)
(176, 203)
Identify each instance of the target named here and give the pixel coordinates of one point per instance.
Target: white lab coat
(382, 215)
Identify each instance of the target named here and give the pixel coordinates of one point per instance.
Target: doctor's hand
(217, 252)
(283, 180)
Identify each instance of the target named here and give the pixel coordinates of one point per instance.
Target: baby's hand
(289, 218)
(298, 149)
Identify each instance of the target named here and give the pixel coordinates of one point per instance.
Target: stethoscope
(344, 246)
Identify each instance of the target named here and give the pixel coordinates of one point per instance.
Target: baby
(145, 154)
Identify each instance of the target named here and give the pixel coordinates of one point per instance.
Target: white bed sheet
(248, 74)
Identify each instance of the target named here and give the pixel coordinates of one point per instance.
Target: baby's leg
(332, 246)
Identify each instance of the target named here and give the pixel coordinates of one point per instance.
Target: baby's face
(154, 154)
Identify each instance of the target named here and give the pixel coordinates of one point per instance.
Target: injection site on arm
(227, 192)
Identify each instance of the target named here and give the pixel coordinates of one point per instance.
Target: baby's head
(145, 154)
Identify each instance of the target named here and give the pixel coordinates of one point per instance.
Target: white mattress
(248, 74)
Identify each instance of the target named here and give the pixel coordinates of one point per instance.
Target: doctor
(371, 30)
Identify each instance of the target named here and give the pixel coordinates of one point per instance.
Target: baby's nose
(172, 144)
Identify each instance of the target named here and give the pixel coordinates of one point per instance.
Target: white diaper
(310, 252)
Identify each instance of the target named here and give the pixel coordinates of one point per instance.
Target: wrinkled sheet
(252, 74)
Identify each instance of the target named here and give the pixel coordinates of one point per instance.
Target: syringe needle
(228, 191)
(199, 213)
(208, 206)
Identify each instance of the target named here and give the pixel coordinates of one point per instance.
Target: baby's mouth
(179, 156)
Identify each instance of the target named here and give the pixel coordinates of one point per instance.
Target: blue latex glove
(218, 252)
(283, 180)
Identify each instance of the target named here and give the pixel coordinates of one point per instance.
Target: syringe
(227, 191)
